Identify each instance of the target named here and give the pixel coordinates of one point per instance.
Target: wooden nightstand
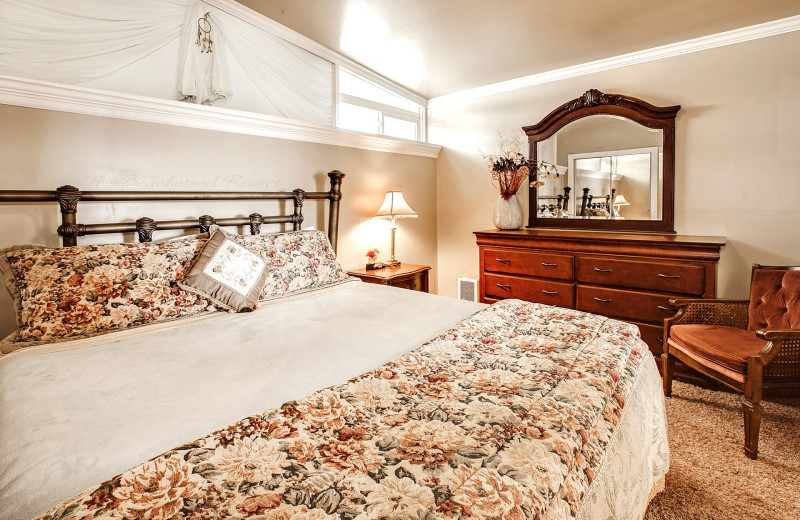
(405, 276)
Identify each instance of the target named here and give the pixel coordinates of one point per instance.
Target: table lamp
(394, 206)
(619, 201)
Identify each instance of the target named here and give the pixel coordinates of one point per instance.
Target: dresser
(405, 276)
(628, 276)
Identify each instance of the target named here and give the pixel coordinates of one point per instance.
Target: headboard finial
(145, 227)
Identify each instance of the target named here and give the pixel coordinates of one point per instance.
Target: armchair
(751, 346)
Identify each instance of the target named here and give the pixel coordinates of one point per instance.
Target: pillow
(300, 261)
(228, 274)
(10, 283)
(71, 292)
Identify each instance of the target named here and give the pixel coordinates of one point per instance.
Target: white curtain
(298, 84)
(73, 41)
(203, 76)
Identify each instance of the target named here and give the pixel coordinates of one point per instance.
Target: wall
(737, 166)
(44, 149)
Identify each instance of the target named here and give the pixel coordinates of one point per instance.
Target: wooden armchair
(751, 346)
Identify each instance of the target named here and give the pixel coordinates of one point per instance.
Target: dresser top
(603, 236)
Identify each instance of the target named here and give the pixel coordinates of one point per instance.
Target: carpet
(710, 477)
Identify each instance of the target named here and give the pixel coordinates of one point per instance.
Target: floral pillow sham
(300, 261)
(228, 274)
(71, 292)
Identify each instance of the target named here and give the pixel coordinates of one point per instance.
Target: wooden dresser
(628, 276)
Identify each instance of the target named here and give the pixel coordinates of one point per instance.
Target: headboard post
(68, 198)
(333, 211)
(205, 222)
(297, 217)
(256, 219)
(145, 227)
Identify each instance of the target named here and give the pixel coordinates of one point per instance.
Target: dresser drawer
(653, 276)
(626, 305)
(540, 291)
(542, 265)
(653, 335)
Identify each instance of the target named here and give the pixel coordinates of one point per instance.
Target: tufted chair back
(774, 298)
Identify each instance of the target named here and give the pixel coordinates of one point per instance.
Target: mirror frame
(594, 102)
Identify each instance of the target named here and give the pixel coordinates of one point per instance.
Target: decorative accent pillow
(71, 292)
(300, 261)
(228, 274)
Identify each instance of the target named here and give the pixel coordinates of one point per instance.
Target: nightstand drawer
(541, 291)
(542, 265)
(652, 276)
(626, 305)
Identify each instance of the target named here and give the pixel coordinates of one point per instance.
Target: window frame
(418, 117)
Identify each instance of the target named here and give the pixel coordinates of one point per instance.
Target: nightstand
(405, 276)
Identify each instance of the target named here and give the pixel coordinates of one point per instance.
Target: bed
(333, 399)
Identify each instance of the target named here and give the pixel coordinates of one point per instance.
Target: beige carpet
(709, 476)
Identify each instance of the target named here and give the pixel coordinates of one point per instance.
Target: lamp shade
(620, 200)
(395, 206)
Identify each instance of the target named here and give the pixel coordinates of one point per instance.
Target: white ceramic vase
(507, 213)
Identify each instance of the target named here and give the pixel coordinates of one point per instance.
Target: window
(366, 107)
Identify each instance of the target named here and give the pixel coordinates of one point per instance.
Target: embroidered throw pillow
(228, 274)
(71, 292)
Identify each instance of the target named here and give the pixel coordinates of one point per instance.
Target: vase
(507, 213)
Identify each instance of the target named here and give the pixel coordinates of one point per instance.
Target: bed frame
(68, 198)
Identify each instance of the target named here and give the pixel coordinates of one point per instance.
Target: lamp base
(394, 263)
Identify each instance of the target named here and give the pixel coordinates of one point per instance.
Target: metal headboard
(68, 198)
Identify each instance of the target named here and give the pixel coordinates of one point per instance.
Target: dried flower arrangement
(509, 168)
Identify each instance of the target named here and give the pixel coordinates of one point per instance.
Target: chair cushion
(726, 346)
(774, 299)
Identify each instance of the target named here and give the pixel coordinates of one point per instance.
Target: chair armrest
(773, 334)
(709, 311)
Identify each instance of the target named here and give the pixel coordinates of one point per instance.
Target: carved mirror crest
(606, 162)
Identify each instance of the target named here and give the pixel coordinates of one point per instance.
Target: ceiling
(437, 47)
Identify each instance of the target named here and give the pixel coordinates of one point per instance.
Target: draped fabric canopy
(74, 41)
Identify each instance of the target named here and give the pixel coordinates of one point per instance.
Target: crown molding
(753, 32)
(93, 102)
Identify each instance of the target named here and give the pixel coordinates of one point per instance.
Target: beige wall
(737, 167)
(44, 149)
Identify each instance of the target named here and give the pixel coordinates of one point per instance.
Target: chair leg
(667, 366)
(752, 426)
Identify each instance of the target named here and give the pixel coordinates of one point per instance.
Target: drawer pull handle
(603, 270)
(549, 265)
(660, 339)
(667, 309)
(602, 300)
(549, 292)
(503, 260)
(672, 276)
(503, 286)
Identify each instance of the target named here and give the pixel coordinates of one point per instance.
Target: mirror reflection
(601, 167)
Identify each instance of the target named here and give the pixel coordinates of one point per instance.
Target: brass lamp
(395, 206)
(619, 201)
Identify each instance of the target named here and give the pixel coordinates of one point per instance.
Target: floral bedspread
(505, 416)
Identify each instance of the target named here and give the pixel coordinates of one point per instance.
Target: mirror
(603, 161)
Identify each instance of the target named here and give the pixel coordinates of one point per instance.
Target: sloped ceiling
(437, 47)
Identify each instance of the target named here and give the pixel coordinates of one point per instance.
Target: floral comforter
(507, 415)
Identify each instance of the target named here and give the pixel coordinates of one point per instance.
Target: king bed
(126, 393)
